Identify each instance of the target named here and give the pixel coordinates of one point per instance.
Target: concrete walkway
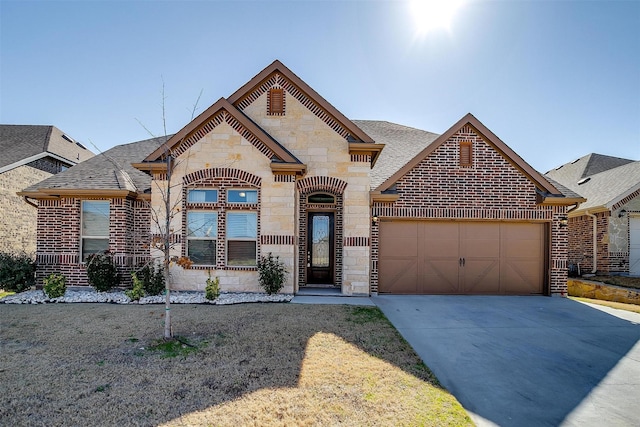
(527, 361)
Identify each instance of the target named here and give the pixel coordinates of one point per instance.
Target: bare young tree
(163, 216)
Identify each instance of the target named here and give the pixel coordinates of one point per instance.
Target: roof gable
(219, 112)
(278, 74)
(534, 176)
(23, 143)
(605, 189)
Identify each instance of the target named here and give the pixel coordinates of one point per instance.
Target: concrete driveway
(527, 361)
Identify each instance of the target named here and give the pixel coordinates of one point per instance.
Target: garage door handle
(461, 262)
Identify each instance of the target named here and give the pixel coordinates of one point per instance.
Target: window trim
(94, 237)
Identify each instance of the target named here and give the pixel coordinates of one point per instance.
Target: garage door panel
(449, 257)
(481, 276)
(399, 276)
(439, 276)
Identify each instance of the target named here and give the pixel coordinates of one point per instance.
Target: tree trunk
(167, 255)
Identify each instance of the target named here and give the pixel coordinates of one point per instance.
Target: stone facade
(225, 158)
(19, 233)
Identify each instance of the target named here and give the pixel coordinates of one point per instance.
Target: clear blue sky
(553, 79)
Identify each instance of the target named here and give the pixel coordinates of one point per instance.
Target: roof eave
(363, 148)
(77, 192)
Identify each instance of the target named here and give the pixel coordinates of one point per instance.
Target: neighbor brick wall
(58, 238)
(439, 188)
(581, 245)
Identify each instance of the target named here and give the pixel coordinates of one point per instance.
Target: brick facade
(58, 238)
(490, 189)
(610, 259)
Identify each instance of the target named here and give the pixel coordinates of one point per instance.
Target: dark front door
(320, 248)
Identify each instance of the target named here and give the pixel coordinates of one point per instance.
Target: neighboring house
(364, 206)
(29, 154)
(604, 231)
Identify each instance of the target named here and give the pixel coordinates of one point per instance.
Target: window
(466, 158)
(242, 234)
(202, 196)
(95, 227)
(202, 235)
(276, 101)
(242, 196)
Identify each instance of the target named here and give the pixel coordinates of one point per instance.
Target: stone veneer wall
(18, 227)
(491, 189)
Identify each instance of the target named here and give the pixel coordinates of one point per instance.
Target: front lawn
(252, 364)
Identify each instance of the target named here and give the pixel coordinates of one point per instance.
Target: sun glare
(430, 15)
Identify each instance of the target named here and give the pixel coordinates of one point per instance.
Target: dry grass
(625, 281)
(619, 305)
(257, 364)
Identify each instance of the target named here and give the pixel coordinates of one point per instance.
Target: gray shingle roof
(602, 178)
(402, 143)
(18, 142)
(110, 170)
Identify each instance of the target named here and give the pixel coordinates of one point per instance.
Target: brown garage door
(431, 257)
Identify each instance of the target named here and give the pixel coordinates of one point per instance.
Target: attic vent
(68, 138)
(576, 160)
(583, 180)
(81, 146)
(466, 158)
(276, 102)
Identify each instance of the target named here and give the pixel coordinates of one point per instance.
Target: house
(30, 153)
(362, 206)
(604, 232)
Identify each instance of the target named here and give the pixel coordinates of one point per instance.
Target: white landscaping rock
(119, 297)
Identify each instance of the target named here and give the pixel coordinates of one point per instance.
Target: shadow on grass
(90, 364)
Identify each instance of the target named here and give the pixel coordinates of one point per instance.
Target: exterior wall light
(622, 213)
(564, 221)
(374, 220)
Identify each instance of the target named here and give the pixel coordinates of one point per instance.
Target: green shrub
(17, 272)
(137, 291)
(55, 285)
(212, 290)
(271, 273)
(152, 278)
(102, 272)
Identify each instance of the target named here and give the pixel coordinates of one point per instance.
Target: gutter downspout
(26, 199)
(595, 241)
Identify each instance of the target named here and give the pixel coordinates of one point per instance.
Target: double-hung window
(202, 236)
(95, 227)
(242, 236)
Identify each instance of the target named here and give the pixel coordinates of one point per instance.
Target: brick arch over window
(208, 174)
(324, 184)
(321, 183)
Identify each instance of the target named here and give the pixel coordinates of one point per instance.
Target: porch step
(320, 291)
